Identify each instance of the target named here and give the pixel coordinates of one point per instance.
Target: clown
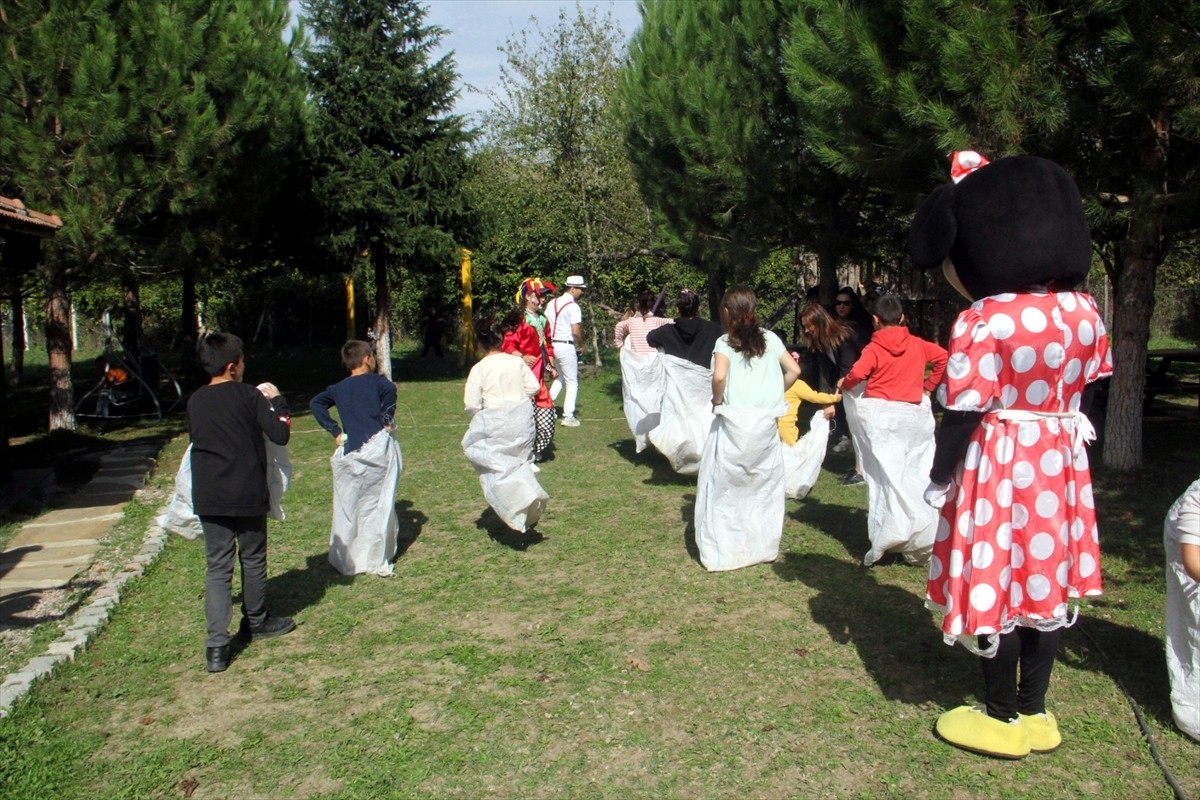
(1017, 539)
(527, 334)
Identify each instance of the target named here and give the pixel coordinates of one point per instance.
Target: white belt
(1085, 432)
(563, 341)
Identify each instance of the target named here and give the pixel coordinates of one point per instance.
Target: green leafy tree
(391, 157)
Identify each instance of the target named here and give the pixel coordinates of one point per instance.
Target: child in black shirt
(227, 420)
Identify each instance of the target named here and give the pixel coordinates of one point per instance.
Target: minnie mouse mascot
(1017, 539)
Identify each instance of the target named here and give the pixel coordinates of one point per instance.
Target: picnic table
(1160, 379)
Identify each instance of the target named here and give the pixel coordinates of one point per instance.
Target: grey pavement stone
(64, 648)
(22, 678)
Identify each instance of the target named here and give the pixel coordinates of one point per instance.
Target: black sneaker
(216, 659)
(852, 478)
(271, 626)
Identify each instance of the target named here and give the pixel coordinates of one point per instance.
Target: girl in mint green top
(751, 367)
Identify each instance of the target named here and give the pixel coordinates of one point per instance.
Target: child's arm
(320, 406)
(529, 383)
(274, 417)
(861, 370)
(1190, 555)
(473, 392)
(387, 401)
(801, 391)
(1189, 529)
(935, 355)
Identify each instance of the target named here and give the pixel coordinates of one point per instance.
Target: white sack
(179, 517)
(686, 414)
(365, 525)
(641, 390)
(802, 460)
(739, 492)
(499, 445)
(894, 442)
(1182, 620)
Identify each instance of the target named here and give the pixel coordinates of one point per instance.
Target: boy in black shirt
(227, 421)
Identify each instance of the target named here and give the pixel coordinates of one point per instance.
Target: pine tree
(391, 155)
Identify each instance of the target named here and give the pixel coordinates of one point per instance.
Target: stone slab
(75, 514)
(83, 530)
(58, 554)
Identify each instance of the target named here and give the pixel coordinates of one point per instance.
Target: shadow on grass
(845, 525)
(490, 523)
(687, 515)
(298, 589)
(890, 629)
(661, 473)
(411, 521)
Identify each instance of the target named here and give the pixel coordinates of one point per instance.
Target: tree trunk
(383, 315)
(58, 350)
(1134, 303)
(188, 329)
(5, 465)
(17, 368)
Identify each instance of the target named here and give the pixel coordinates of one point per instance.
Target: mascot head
(1003, 226)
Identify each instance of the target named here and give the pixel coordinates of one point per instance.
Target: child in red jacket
(893, 363)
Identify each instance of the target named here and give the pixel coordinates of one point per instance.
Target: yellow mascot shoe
(1043, 732)
(970, 728)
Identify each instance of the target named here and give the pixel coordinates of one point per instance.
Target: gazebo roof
(14, 216)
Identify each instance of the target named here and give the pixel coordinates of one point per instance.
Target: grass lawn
(594, 657)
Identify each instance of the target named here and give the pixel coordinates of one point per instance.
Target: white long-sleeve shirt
(498, 378)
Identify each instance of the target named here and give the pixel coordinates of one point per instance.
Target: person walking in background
(641, 371)
(366, 464)
(891, 422)
(527, 334)
(688, 336)
(565, 318)
(833, 354)
(740, 490)
(227, 421)
(1181, 542)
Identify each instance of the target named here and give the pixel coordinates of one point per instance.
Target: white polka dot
(1061, 575)
(1005, 578)
(1004, 297)
(983, 512)
(1020, 516)
(1052, 462)
(956, 625)
(1033, 320)
(1096, 534)
(1091, 368)
(1028, 434)
(1070, 493)
(1080, 459)
(1041, 546)
(958, 366)
(964, 523)
(1054, 355)
(1018, 556)
(968, 401)
(1071, 373)
(1101, 328)
(1037, 392)
(1085, 497)
(1024, 358)
(1074, 403)
(983, 597)
(1004, 493)
(971, 459)
(1038, 587)
(960, 327)
(961, 498)
(1077, 529)
(1015, 595)
(1023, 474)
(1087, 565)
(989, 366)
(943, 529)
(1067, 336)
(935, 568)
(1067, 301)
(1087, 334)
(1053, 425)
(1064, 533)
(980, 332)
(1060, 610)
(956, 563)
(982, 555)
(985, 469)
(1002, 326)
(1004, 449)
(966, 576)
(1046, 504)
(949, 598)
(1008, 396)
(1004, 536)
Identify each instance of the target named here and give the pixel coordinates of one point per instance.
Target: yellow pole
(468, 350)
(350, 327)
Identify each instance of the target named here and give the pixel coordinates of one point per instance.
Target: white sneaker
(570, 422)
(535, 468)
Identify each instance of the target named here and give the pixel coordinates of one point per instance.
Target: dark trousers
(1017, 677)
(225, 538)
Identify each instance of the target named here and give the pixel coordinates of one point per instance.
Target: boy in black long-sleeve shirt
(227, 421)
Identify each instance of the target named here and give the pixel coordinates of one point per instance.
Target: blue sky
(476, 28)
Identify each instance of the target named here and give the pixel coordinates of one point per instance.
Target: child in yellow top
(789, 428)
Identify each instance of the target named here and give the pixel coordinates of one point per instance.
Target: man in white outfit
(566, 331)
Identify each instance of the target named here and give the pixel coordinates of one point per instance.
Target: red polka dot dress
(1018, 537)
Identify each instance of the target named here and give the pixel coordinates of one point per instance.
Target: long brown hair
(740, 323)
(828, 333)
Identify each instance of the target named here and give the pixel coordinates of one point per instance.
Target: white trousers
(567, 358)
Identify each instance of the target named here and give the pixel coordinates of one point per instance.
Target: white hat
(575, 282)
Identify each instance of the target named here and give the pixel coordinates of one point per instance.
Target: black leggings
(1027, 653)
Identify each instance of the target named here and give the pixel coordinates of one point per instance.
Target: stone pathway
(48, 552)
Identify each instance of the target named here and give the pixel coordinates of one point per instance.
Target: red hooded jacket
(893, 365)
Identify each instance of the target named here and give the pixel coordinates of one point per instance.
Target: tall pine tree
(391, 154)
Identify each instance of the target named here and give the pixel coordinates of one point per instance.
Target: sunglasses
(841, 302)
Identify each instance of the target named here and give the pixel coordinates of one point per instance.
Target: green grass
(593, 658)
